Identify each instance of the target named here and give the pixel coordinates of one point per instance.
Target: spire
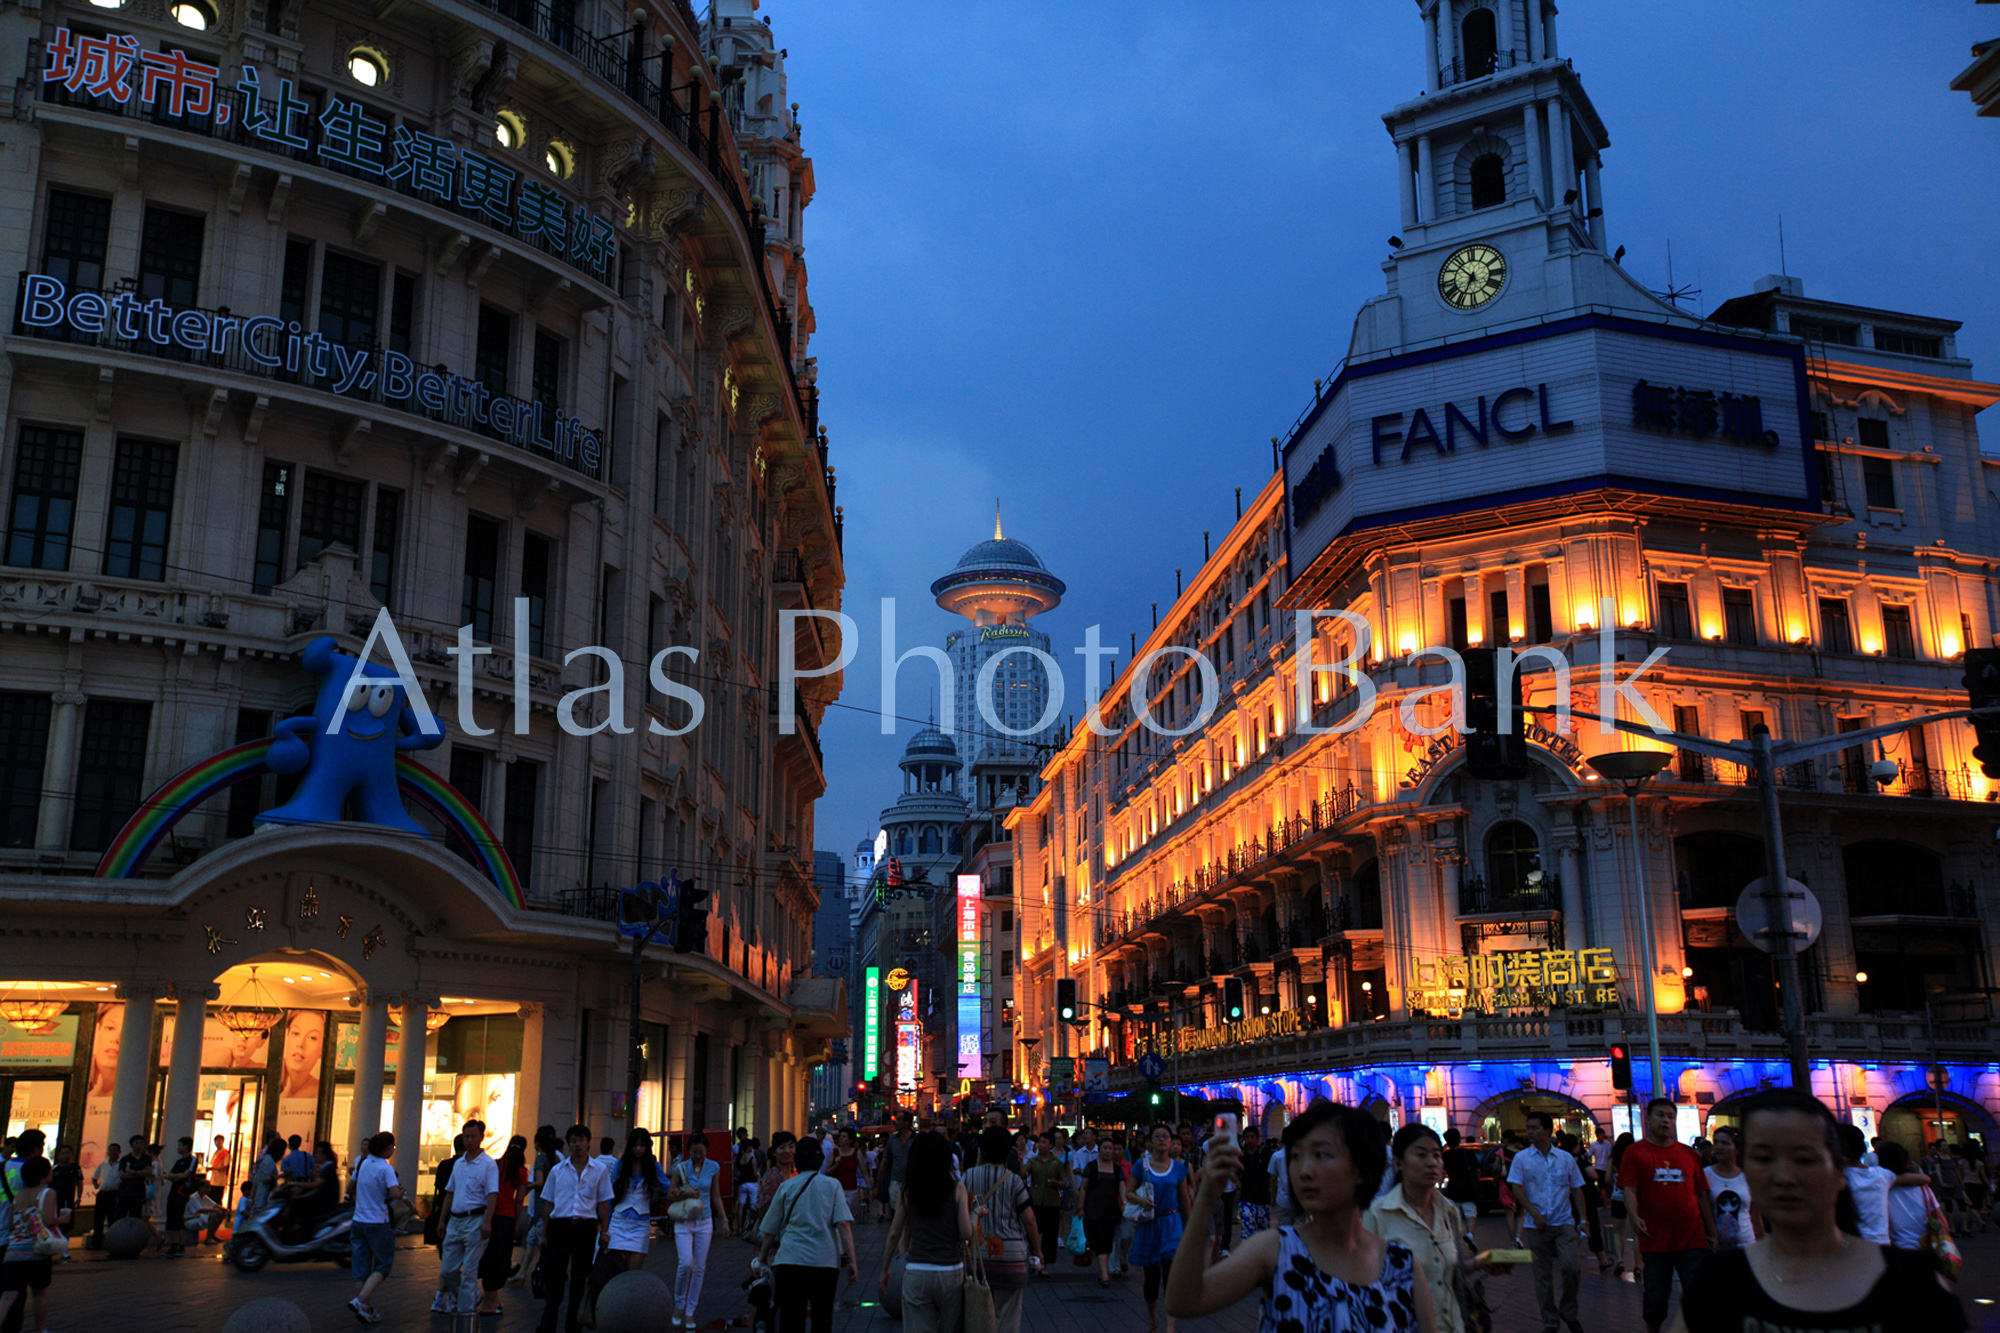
(996, 518)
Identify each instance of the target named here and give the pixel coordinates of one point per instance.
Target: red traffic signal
(1621, 1068)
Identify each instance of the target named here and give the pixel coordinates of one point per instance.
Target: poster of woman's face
(305, 1038)
(104, 1049)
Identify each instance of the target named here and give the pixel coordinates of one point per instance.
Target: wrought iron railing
(1476, 896)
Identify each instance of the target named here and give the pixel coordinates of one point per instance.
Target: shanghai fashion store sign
(1262, 1027)
(1524, 979)
(343, 137)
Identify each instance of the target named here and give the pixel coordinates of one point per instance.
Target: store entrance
(1509, 1115)
(36, 1103)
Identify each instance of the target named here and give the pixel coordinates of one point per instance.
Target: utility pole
(1778, 912)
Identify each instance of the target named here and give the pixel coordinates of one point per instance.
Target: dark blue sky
(1088, 257)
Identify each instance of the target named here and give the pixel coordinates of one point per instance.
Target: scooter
(259, 1240)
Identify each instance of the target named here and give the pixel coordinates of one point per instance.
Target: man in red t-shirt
(1667, 1197)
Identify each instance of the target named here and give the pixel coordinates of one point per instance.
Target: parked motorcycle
(260, 1240)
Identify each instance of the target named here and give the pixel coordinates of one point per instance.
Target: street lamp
(1630, 769)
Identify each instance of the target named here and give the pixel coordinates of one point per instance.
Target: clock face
(1472, 277)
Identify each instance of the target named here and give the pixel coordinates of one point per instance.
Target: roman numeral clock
(1472, 277)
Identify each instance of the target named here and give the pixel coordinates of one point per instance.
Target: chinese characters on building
(1700, 413)
(1525, 979)
(347, 138)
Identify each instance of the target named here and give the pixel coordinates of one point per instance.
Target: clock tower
(1511, 368)
(1499, 163)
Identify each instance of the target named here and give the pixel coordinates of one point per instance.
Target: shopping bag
(978, 1303)
(1078, 1242)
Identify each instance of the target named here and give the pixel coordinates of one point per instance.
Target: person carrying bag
(1003, 1223)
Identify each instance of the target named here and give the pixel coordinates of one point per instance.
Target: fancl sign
(266, 345)
(1598, 402)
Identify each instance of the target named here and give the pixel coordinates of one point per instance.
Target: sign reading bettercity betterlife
(590, 709)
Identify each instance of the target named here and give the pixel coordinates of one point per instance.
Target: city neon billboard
(871, 1025)
(909, 1038)
(969, 1062)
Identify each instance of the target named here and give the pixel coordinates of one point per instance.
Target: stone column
(1447, 39)
(364, 1113)
(680, 1040)
(1593, 198)
(1532, 11)
(135, 1060)
(1576, 932)
(528, 1111)
(1426, 180)
(1431, 60)
(1406, 154)
(410, 1054)
(59, 773)
(1562, 168)
(184, 1068)
(1548, 31)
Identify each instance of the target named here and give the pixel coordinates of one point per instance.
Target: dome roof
(930, 741)
(1000, 551)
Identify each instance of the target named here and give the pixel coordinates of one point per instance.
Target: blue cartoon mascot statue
(347, 749)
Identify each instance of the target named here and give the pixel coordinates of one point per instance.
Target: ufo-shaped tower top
(1001, 581)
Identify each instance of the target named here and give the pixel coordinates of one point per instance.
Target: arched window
(1481, 43)
(1888, 878)
(1368, 895)
(902, 842)
(1513, 861)
(1715, 865)
(929, 842)
(1489, 181)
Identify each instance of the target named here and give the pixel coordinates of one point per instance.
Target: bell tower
(1498, 164)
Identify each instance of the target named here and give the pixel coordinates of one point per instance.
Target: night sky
(1086, 258)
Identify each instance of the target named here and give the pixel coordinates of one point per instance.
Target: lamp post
(1630, 769)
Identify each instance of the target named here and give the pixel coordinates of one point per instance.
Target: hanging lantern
(35, 1012)
(435, 1019)
(254, 1009)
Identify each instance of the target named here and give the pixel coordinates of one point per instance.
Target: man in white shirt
(1086, 1149)
(469, 1198)
(1281, 1193)
(607, 1157)
(1546, 1179)
(105, 1178)
(1868, 1186)
(576, 1201)
(374, 1240)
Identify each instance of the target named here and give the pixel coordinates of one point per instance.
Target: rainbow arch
(185, 791)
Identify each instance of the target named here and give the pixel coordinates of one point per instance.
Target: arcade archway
(1507, 1113)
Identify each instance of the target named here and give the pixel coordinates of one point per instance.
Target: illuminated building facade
(1525, 448)
(491, 315)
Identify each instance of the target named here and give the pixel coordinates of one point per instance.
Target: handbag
(1141, 1212)
(1937, 1241)
(978, 1299)
(1004, 1259)
(684, 1210)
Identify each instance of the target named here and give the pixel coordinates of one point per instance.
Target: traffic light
(691, 921)
(1232, 1000)
(1982, 690)
(1066, 1000)
(1488, 754)
(1153, 1097)
(1006, 1013)
(1621, 1068)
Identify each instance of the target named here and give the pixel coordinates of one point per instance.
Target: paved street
(160, 1296)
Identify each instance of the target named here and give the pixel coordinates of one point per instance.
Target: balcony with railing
(1478, 897)
(1844, 773)
(1461, 69)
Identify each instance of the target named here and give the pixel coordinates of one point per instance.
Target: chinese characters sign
(969, 1061)
(1700, 413)
(871, 1026)
(1525, 979)
(342, 136)
(909, 1038)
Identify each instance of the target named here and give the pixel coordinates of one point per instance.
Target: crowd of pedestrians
(1786, 1217)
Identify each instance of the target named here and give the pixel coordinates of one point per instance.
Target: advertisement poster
(298, 1075)
(55, 1048)
(347, 1048)
(220, 1047)
(97, 1088)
